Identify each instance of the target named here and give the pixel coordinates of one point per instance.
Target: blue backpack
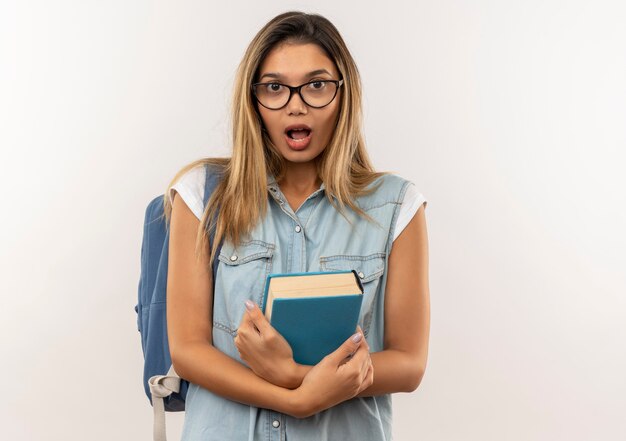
(165, 389)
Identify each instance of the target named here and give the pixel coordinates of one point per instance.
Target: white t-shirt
(191, 188)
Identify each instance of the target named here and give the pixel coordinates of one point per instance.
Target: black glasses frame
(292, 89)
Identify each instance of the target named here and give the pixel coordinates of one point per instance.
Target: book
(315, 311)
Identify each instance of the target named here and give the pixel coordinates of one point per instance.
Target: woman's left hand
(265, 351)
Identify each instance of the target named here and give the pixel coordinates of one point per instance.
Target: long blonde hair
(344, 165)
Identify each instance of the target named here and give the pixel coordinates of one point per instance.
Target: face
(291, 64)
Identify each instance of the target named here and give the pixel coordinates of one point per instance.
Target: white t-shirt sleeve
(191, 188)
(412, 201)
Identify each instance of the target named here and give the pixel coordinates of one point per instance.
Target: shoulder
(411, 203)
(389, 188)
(190, 187)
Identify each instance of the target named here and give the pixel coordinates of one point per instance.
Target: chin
(302, 156)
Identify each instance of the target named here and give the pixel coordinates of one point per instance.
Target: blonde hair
(344, 165)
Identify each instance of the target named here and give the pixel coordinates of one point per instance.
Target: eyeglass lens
(315, 94)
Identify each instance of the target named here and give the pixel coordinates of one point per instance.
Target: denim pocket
(369, 268)
(241, 275)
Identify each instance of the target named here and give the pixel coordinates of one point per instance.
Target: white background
(509, 116)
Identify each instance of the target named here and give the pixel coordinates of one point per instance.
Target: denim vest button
(298, 229)
(276, 424)
(233, 257)
(361, 275)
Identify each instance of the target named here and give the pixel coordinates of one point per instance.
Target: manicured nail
(357, 337)
(249, 305)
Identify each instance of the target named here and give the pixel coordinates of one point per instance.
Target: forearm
(394, 371)
(206, 366)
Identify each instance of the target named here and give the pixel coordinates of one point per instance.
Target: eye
(317, 85)
(274, 87)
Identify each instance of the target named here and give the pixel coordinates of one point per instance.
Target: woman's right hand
(339, 376)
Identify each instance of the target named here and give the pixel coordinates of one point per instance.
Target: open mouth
(298, 133)
(298, 136)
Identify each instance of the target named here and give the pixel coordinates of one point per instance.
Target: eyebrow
(309, 75)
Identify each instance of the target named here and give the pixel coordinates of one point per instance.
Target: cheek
(272, 126)
(329, 125)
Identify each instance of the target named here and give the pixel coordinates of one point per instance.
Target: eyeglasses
(316, 94)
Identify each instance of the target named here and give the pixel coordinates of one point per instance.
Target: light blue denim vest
(314, 238)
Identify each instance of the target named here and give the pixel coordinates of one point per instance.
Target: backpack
(164, 388)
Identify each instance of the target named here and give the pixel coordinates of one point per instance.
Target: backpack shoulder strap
(213, 177)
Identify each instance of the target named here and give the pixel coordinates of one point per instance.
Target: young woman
(298, 194)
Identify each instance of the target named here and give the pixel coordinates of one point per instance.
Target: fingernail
(249, 305)
(357, 337)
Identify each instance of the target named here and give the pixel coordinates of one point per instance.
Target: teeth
(298, 140)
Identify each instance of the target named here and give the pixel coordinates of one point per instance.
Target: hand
(340, 376)
(264, 350)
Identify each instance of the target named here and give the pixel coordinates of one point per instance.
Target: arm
(267, 352)
(401, 365)
(189, 305)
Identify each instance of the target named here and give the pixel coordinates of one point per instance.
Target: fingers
(245, 324)
(360, 367)
(367, 367)
(368, 380)
(366, 361)
(245, 331)
(361, 352)
(347, 349)
(361, 359)
(256, 316)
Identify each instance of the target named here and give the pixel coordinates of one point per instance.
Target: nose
(295, 104)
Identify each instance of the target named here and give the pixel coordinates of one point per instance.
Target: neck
(300, 179)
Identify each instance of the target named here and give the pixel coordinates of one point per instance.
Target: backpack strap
(162, 386)
(213, 177)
